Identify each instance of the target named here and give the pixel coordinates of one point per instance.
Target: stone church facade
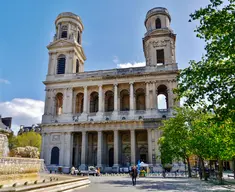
(107, 118)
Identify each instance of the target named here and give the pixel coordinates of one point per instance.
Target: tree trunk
(210, 162)
(234, 168)
(200, 168)
(185, 167)
(203, 170)
(189, 168)
(220, 172)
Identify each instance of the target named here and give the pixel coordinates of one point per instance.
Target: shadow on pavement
(168, 185)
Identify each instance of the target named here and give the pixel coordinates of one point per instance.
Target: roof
(3, 126)
(156, 11)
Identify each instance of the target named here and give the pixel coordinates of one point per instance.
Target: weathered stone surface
(28, 151)
(4, 150)
(18, 166)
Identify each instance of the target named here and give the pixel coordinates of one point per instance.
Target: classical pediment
(60, 43)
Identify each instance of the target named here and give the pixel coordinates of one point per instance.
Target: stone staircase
(55, 186)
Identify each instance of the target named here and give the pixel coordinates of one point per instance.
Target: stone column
(84, 151)
(100, 99)
(133, 148)
(156, 85)
(147, 97)
(85, 104)
(131, 97)
(53, 102)
(85, 100)
(115, 97)
(70, 100)
(49, 71)
(42, 155)
(100, 149)
(48, 148)
(62, 149)
(150, 146)
(116, 149)
(58, 32)
(154, 96)
(68, 150)
(47, 100)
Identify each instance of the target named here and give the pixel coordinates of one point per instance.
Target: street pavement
(123, 183)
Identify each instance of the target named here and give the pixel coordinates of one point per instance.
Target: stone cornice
(115, 78)
(96, 123)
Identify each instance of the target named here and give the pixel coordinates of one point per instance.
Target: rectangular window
(160, 56)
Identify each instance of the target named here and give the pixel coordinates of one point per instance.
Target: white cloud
(23, 111)
(127, 65)
(115, 59)
(4, 81)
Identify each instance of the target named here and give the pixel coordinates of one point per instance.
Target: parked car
(91, 171)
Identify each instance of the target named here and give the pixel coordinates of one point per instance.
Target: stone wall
(13, 165)
(4, 150)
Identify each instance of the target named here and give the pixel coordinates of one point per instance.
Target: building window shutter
(61, 65)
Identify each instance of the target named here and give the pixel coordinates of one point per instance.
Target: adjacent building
(34, 128)
(107, 118)
(5, 124)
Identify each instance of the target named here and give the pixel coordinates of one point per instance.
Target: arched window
(140, 99)
(124, 100)
(55, 155)
(61, 64)
(94, 102)
(59, 103)
(77, 66)
(109, 101)
(79, 103)
(162, 97)
(64, 31)
(78, 38)
(158, 23)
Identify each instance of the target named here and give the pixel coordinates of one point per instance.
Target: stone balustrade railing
(109, 116)
(114, 72)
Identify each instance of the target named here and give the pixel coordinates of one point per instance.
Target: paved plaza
(119, 184)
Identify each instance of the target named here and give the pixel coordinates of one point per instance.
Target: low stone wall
(15, 165)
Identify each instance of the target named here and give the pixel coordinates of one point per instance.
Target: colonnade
(150, 91)
(66, 148)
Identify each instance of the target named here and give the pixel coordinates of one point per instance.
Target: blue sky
(113, 35)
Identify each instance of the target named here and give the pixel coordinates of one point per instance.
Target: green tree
(210, 82)
(12, 141)
(174, 143)
(29, 139)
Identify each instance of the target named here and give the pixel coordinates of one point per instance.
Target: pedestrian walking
(133, 174)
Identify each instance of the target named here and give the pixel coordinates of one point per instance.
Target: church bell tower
(66, 55)
(159, 40)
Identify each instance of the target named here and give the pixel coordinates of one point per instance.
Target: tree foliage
(29, 139)
(210, 82)
(193, 132)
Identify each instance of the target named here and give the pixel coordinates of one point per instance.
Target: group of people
(133, 173)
